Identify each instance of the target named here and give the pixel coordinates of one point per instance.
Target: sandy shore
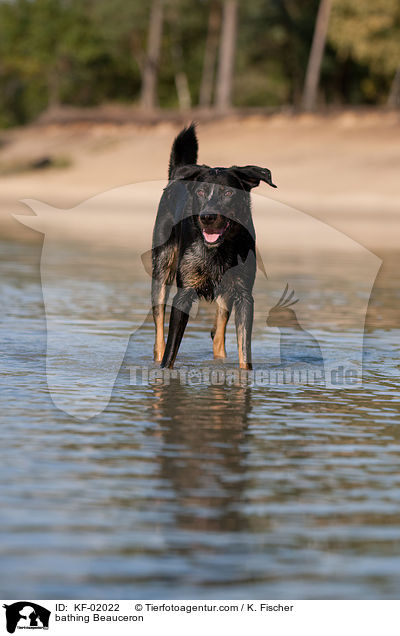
(343, 170)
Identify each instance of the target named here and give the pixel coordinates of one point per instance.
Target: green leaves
(85, 52)
(369, 31)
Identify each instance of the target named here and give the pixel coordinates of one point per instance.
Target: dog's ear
(250, 176)
(187, 172)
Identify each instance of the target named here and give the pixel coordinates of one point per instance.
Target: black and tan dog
(204, 240)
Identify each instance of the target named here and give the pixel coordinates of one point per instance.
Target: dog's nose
(208, 218)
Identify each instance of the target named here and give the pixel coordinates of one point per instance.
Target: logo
(97, 306)
(26, 615)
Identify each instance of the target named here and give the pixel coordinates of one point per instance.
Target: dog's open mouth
(212, 236)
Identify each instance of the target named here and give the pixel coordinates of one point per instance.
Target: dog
(204, 240)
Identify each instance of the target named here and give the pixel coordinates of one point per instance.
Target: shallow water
(192, 490)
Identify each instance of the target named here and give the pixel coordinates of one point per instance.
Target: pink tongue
(211, 238)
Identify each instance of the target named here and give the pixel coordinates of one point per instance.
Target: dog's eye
(201, 193)
(228, 193)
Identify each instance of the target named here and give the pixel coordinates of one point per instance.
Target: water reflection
(203, 453)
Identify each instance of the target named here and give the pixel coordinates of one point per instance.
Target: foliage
(368, 30)
(368, 33)
(85, 52)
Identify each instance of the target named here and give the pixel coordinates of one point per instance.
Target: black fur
(184, 150)
(204, 239)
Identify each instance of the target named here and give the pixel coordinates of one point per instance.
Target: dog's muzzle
(212, 230)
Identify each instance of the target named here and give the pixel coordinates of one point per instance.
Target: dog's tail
(184, 149)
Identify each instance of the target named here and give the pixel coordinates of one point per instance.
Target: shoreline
(341, 169)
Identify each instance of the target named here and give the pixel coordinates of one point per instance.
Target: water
(194, 491)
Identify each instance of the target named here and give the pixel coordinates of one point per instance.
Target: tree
(394, 94)
(150, 67)
(226, 55)
(317, 50)
(210, 55)
(123, 26)
(368, 32)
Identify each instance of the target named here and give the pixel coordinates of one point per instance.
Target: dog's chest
(203, 271)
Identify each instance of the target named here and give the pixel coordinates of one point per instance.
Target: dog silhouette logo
(296, 344)
(97, 299)
(26, 615)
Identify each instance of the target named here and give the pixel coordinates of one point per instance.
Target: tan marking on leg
(243, 364)
(169, 269)
(159, 345)
(159, 313)
(221, 319)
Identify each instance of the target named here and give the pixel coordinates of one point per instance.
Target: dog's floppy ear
(250, 176)
(186, 172)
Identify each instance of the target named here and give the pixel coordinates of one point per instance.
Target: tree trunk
(150, 65)
(53, 87)
(181, 80)
(183, 91)
(394, 95)
(210, 55)
(226, 55)
(317, 50)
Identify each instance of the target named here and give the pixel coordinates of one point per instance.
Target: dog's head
(220, 198)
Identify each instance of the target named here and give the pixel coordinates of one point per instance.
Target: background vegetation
(185, 53)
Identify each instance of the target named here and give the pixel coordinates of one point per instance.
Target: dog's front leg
(181, 306)
(159, 297)
(224, 308)
(244, 310)
(163, 272)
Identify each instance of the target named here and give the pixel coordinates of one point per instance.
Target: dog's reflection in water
(203, 455)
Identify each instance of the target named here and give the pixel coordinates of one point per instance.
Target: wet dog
(204, 240)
